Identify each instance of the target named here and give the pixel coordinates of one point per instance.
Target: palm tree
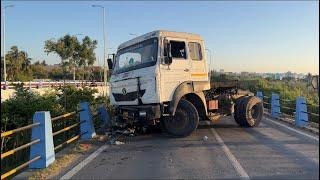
(12, 61)
(17, 62)
(26, 61)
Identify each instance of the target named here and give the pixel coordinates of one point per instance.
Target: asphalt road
(269, 151)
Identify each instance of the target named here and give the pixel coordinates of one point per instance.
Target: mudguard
(186, 88)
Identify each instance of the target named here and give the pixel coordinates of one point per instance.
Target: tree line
(77, 59)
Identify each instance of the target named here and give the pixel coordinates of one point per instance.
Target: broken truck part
(162, 78)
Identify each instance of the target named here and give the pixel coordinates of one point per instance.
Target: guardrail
(42, 149)
(299, 111)
(6, 85)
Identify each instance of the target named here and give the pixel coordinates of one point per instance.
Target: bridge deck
(267, 152)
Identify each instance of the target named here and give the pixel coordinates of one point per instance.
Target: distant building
(244, 73)
(289, 74)
(278, 76)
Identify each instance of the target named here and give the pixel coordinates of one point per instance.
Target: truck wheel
(250, 112)
(184, 122)
(237, 108)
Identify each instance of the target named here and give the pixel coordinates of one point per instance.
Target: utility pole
(4, 44)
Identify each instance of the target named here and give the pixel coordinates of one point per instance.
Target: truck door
(177, 72)
(198, 69)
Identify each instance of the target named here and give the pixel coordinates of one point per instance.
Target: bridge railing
(295, 109)
(40, 84)
(42, 149)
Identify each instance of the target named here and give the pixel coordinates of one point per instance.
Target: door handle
(186, 70)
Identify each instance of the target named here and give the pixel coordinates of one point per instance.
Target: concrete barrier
(300, 117)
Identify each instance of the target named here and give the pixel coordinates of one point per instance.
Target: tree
(2, 71)
(38, 70)
(18, 65)
(44, 63)
(64, 47)
(56, 73)
(72, 52)
(85, 55)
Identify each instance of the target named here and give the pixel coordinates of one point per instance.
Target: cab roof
(160, 33)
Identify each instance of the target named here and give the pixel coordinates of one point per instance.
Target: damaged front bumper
(141, 114)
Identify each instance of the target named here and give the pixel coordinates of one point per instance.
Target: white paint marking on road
(76, 169)
(262, 124)
(292, 129)
(237, 166)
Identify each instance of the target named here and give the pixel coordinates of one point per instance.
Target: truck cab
(162, 77)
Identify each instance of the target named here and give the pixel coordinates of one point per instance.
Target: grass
(61, 163)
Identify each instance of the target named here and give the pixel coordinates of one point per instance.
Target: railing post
(45, 147)
(275, 105)
(104, 115)
(260, 95)
(86, 127)
(30, 86)
(301, 116)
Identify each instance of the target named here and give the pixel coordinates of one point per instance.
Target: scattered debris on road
(205, 138)
(114, 135)
(111, 142)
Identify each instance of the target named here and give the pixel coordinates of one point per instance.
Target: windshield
(136, 56)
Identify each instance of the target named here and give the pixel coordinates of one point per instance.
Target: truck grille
(131, 96)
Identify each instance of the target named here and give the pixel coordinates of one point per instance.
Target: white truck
(162, 78)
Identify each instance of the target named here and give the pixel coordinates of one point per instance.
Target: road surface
(270, 151)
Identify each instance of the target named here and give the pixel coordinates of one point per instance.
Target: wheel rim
(254, 113)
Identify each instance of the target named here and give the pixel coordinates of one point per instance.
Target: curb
(313, 127)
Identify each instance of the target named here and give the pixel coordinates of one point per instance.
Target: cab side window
(178, 49)
(195, 51)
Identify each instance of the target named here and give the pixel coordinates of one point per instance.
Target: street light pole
(4, 44)
(105, 49)
(104, 45)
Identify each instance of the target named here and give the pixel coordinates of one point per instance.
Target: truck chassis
(223, 99)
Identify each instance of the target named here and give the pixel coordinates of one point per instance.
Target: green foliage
(18, 65)
(56, 73)
(64, 47)
(288, 89)
(216, 77)
(70, 97)
(72, 52)
(18, 111)
(39, 71)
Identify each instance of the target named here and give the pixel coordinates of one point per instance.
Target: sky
(253, 36)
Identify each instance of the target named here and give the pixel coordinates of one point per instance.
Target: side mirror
(167, 52)
(315, 82)
(110, 63)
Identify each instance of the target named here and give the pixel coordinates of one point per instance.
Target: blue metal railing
(300, 111)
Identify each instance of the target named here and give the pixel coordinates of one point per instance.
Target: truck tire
(250, 112)
(237, 108)
(185, 120)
